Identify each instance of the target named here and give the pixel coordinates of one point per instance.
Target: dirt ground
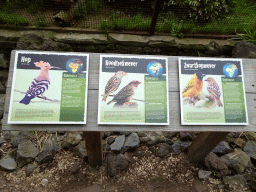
(146, 173)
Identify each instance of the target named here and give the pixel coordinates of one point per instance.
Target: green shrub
(40, 21)
(89, 6)
(8, 18)
(199, 10)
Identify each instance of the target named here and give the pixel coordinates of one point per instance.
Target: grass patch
(136, 22)
(40, 21)
(7, 18)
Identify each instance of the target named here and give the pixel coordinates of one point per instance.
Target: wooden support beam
(155, 16)
(94, 147)
(204, 144)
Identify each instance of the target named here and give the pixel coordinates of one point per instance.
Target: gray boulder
(71, 140)
(115, 163)
(118, 144)
(180, 146)
(18, 136)
(214, 163)
(8, 163)
(203, 174)
(251, 136)
(33, 41)
(184, 136)
(51, 144)
(2, 140)
(237, 161)
(250, 149)
(132, 142)
(229, 138)
(44, 157)
(30, 168)
(244, 49)
(142, 133)
(222, 148)
(162, 150)
(26, 153)
(80, 150)
(237, 180)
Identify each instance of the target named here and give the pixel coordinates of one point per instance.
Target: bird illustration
(125, 94)
(113, 83)
(214, 90)
(194, 86)
(40, 84)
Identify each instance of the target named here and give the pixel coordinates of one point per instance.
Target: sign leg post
(204, 144)
(93, 141)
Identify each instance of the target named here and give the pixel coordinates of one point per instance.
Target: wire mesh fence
(175, 16)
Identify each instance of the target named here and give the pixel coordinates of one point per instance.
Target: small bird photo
(202, 90)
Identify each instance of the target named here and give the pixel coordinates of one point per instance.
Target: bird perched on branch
(113, 83)
(125, 94)
(40, 84)
(194, 86)
(214, 90)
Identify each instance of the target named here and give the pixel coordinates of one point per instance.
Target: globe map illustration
(155, 69)
(74, 66)
(230, 70)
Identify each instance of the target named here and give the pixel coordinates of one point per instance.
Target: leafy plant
(201, 9)
(40, 21)
(89, 6)
(8, 18)
(248, 36)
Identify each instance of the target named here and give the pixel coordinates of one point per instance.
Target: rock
(8, 163)
(244, 49)
(51, 144)
(229, 138)
(251, 136)
(169, 135)
(118, 144)
(30, 168)
(237, 161)
(18, 137)
(2, 140)
(76, 167)
(26, 153)
(184, 136)
(214, 163)
(3, 61)
(222, 148)
(114, 163)
(44, 157)
(127, 39)
(153, 139)
(44, 182)
(169, 141)
(61, 132)
(152, 149)
(80, 151)
(180, 146)
(2, 103)
(111, 140)
(202, 174)
(132, 142)
(235, 180)
(239, 142)
(33, 41)
(214, 49)
(162, 150)
(71, 140)
(250, 149)
(126, 133)
(7, 135)
(142, 133)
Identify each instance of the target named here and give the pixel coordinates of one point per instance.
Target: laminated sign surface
(133, 90)
(49, 88)
(212, 92)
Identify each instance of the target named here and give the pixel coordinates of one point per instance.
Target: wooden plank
(155, 16)
(204, 144)
(94, 147)
(174, 104)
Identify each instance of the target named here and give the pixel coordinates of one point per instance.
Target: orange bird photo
(214, 90)
(194, 86)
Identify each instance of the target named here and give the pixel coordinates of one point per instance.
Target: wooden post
(94, 147)
(155, 16)
(204, 144)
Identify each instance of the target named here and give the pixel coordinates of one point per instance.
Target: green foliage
(8, 18)
(32, 6)
(89, 6)
(40, 21)
(249, 36)
(201, 9)
(118, 22)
